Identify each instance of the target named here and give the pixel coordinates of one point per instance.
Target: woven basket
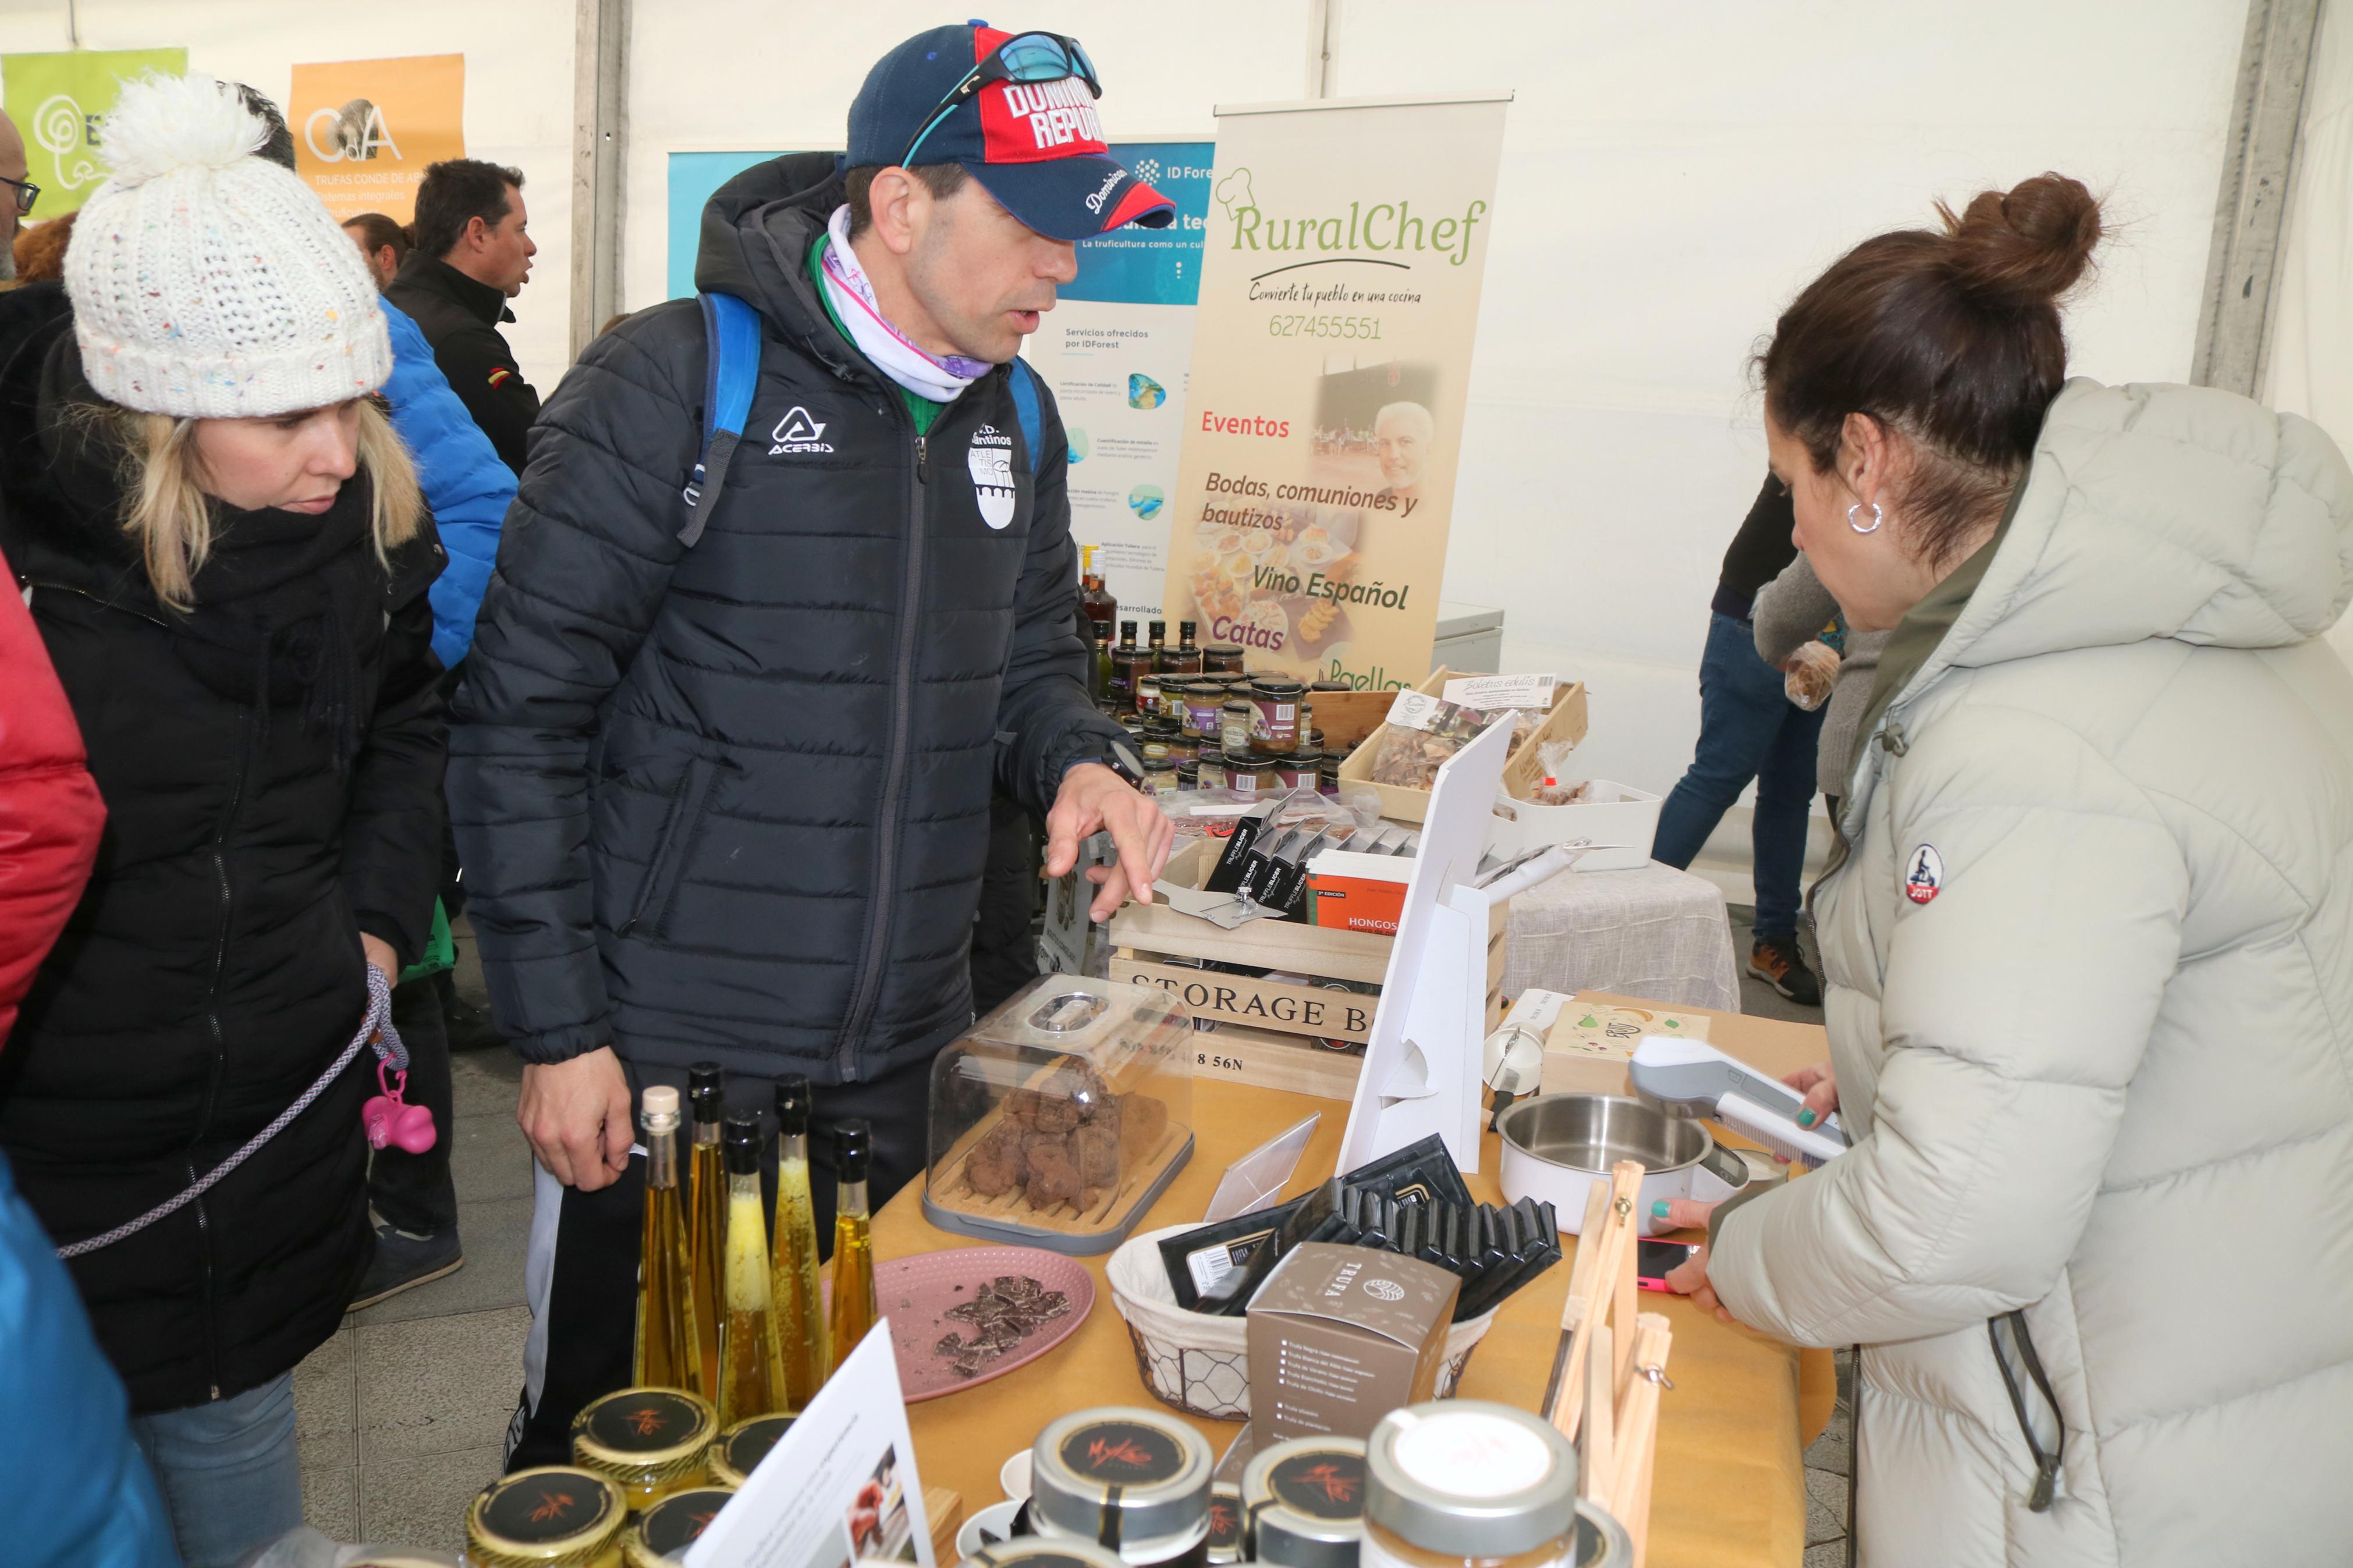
(1200, 1363)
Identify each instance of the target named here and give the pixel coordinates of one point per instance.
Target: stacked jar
(1464, 1483)
(1133, 1481)
(1304, 1502)
(1274, 719)
(649, 1442)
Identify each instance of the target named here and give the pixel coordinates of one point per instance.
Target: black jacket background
(213, 969)
(461, 317)
(731, 803)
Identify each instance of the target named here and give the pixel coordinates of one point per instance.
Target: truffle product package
(1419, 1170)
(1227, 875)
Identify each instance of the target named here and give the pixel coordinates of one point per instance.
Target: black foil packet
(1419, 1171)
(1227, 875)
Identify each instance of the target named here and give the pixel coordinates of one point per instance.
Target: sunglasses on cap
(1023, 58)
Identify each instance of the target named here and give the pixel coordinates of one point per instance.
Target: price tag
(1414, 710)
(1493, 693)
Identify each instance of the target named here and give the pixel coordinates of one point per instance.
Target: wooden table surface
(1730, 1487)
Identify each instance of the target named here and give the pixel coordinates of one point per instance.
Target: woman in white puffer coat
(2089, 943)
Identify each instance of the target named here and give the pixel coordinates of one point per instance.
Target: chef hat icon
(1234, 192)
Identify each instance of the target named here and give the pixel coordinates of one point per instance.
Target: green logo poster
(59, 104)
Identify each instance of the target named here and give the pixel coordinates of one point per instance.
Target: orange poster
(365, 130)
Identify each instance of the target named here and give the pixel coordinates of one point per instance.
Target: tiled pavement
(403, 1415)
(404, 1412)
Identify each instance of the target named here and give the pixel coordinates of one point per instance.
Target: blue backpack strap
(731, 334)
(1025, 404)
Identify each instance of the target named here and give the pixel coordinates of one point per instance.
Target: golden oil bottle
(706, 1216)
(668, 1344)
(751, 1378)
(793, 1270)
(853, 1240)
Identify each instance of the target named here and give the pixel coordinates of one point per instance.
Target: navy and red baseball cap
(1037, 146)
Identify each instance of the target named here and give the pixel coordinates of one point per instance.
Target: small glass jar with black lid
(1133, 1481)
(1234, 726)
(740, 1448)
(553, 1516)
(1274, 726)
(659, 1537)
(1223, 657)
(1303, 1500)
(649, 1442)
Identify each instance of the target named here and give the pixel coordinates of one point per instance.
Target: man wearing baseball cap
(721, 774)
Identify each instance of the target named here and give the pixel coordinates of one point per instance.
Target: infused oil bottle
(751, 1378)
(793, 1271)
(706, 1211)
(853, 1240)
(669, 1350)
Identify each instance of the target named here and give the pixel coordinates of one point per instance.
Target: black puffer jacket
(732, 802)
(213, 968)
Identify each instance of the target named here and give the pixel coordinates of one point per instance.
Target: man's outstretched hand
(1093, 798)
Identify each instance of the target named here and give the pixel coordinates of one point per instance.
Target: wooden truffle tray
(1140, 1180)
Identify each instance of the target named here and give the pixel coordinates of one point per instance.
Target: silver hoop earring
(1877, 517)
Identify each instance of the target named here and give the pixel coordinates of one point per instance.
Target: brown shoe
(1777, 962)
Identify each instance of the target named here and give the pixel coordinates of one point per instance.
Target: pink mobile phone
(1652, 1259)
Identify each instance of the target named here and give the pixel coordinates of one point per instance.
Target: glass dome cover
(1060, 1118)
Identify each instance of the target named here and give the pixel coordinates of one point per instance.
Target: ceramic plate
(916, 1294)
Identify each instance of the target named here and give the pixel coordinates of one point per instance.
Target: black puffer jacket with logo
(212, 971)
(731, 802)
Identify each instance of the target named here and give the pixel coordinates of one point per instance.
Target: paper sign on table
(1493, 693)
(838, 1487)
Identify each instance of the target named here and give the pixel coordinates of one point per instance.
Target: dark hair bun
(2027, 247)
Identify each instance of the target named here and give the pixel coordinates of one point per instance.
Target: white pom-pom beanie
(211, 284)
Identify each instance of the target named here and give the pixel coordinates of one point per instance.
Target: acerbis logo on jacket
(797, 432)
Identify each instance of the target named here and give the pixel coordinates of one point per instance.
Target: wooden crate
(1146, 937)
(1263, 1058)
(1565, 721)
(1347, 717)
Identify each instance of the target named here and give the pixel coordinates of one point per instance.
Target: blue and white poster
(1114, 349)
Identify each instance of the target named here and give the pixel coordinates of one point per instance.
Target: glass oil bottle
(852, 1311)
(706, 1215)
(751, 1378)
(669, 1350)
(793, 1271)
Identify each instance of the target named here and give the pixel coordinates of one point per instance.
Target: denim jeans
(1749, 729)
(230, 1472)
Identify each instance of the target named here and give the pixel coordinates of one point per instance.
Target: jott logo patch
(797, 432)
(1923, 874)
(990, 459)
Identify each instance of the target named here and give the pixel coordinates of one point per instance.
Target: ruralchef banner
(1331, 355)
(59, 103)
(365, 130)
(1114, 348)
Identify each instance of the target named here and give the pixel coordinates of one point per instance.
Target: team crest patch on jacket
(1923, 874)
(990, 459)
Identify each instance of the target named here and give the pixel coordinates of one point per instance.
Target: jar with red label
(1274, 724)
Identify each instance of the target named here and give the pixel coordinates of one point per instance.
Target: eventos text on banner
(1346, 242)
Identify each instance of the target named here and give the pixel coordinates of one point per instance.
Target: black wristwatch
(1121, 759)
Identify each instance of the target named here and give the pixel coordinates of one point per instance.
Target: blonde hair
(168, 511)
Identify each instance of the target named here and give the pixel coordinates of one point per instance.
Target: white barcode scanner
(1692, 1078)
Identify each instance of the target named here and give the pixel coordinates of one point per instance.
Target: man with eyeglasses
(17, 194)
(722, 760)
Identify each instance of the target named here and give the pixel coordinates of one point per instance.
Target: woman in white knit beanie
(226, 555)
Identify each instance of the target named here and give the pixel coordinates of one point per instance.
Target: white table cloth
(1656, 932)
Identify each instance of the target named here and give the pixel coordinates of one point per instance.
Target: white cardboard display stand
(1421, 1062)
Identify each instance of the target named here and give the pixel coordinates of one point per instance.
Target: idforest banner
(1114, 348)
(365, 130)
(59, 103)
(1331, 355)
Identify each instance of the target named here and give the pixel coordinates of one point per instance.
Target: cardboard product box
(1340, 1336)
(1565, 721)
(1350, 891)
(1591, 1042)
